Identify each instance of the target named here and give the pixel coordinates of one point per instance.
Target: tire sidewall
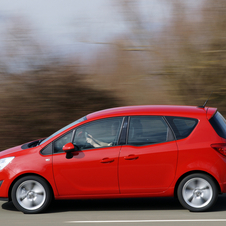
(45, 186)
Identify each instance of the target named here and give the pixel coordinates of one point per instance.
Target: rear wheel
(197, 192)
(31, 194)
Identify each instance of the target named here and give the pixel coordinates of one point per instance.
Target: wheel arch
(193, 172)
(24, 175)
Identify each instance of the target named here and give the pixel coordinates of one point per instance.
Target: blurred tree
(21, 49)
(41, 93)
(197, 67)
(125, 64)
(179, 61)
(189, 49)
(37, 103)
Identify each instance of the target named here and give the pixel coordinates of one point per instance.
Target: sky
(65, 24)
(75, 27)
(62, 24)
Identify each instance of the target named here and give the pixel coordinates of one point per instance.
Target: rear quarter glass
(182, 126)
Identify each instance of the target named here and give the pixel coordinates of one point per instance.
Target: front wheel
(197, 192)
(31, 194)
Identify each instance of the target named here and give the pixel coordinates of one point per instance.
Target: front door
(93, 169)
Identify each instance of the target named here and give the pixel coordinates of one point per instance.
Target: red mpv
(138, 151)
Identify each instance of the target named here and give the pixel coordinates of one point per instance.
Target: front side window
(97, 134)
(145, 130)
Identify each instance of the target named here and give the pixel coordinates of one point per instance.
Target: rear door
(148, 161)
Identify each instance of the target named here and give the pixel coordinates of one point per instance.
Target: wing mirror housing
(68, 149)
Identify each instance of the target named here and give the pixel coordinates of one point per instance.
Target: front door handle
(131, 157)
(107, 160)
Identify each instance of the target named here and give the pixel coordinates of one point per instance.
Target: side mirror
(68, 149)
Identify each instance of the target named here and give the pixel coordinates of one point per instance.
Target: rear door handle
(131, 157)
(107, 160)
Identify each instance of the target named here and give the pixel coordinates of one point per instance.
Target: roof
(166, 110)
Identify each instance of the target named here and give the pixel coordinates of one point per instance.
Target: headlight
(4, 162)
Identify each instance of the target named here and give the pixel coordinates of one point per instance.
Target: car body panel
(196, 153)
(147, 169)
(28, 161)
(89, 172)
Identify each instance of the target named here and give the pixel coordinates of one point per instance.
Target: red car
(139, 151)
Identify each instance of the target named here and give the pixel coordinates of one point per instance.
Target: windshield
(64, 128)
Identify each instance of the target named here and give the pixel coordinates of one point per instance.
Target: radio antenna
(205, 101)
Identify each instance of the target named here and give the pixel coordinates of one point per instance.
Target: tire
(197, 192)
(31, 194)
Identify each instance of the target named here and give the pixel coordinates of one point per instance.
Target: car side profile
(134, 151)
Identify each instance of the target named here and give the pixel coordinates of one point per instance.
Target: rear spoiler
(210, 112)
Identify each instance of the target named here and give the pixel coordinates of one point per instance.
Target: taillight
(221, 148)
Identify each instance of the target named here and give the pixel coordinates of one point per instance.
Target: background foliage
(180, 62)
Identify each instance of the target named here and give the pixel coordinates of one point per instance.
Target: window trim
(123, 131)
(174, 135)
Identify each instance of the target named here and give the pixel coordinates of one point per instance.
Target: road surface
(126, 212)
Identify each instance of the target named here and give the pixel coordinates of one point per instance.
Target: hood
(10, 151)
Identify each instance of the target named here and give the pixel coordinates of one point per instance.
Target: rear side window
(146, 130)
(181, 126)
(218, 122)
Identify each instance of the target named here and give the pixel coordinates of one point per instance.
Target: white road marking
(146, 221)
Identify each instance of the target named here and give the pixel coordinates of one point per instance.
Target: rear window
(181, 126)
(218, 122)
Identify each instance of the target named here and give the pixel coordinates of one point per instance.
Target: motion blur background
(62, 59)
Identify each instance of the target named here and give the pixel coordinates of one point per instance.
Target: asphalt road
(126, 212)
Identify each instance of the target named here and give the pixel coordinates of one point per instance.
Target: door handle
(107, 160)
(131, 157)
